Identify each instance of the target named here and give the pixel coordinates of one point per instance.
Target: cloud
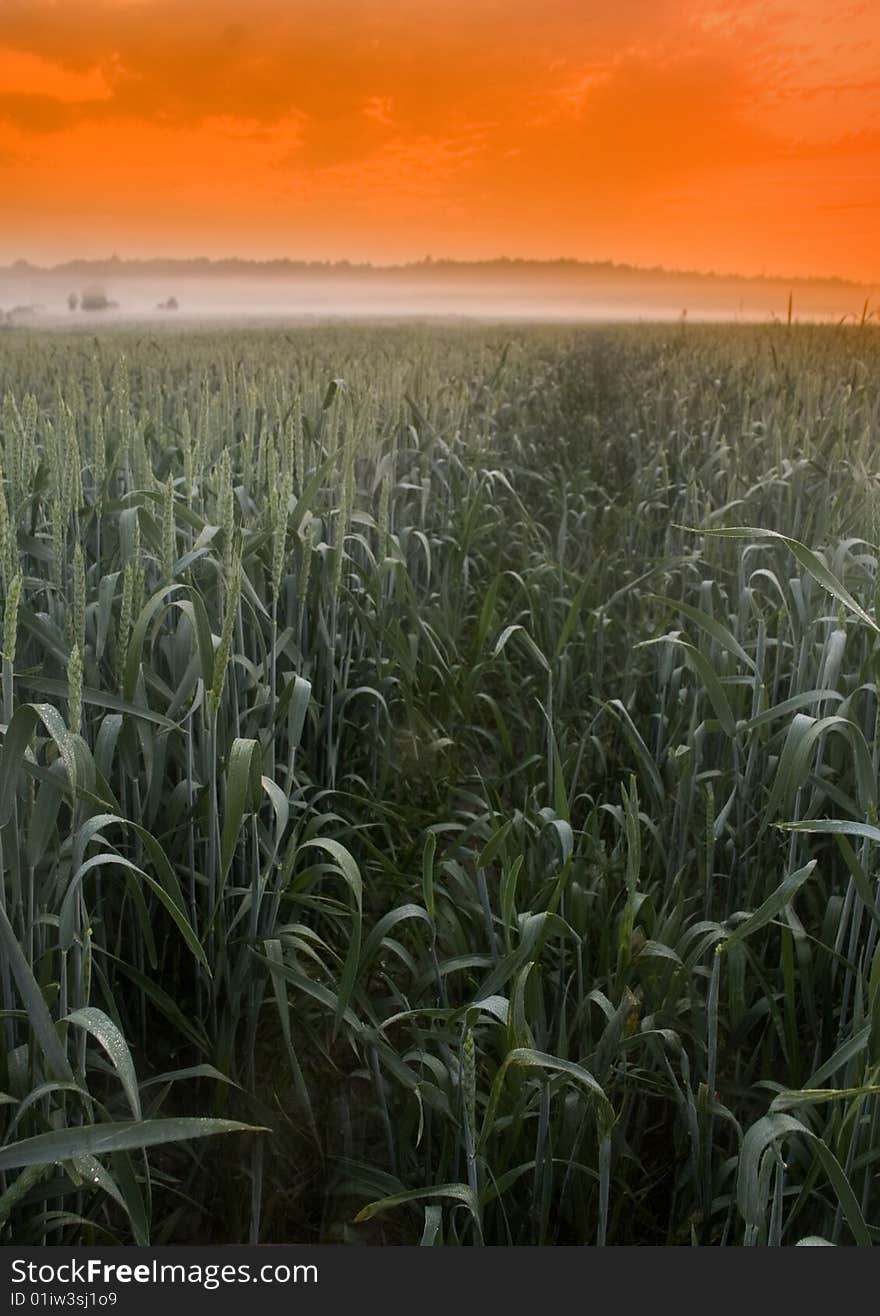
(189, 62)
(23, 72)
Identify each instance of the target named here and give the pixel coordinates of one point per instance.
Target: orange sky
(737, 135)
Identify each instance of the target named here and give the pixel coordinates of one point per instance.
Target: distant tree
(95, 299)
(171, 304)
(72, 301)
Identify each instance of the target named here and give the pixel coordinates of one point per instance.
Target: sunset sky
(736, 135)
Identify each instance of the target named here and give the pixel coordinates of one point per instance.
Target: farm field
(438, 785)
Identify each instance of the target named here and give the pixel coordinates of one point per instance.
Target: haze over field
(504, 289)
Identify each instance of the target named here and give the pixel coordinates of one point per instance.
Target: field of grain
(438, 786)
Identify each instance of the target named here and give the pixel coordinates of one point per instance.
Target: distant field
(434, 804)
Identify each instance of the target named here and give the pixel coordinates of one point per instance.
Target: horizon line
(22, 264)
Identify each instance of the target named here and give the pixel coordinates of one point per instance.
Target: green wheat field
(438, 786)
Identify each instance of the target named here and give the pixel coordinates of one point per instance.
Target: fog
(494, 291)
